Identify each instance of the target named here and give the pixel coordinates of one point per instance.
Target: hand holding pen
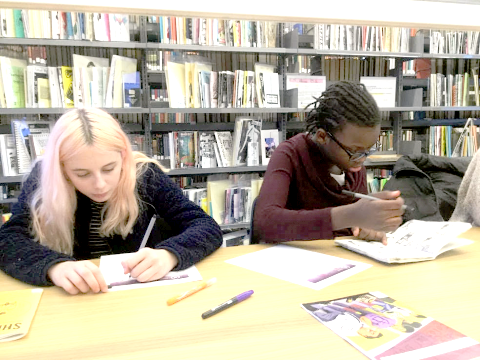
(383, 214)
(149, 264)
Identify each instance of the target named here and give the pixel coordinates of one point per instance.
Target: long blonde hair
(54, 202)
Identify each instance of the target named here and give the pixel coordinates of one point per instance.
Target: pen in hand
(368, 197)
(227, 304)
(126, 270)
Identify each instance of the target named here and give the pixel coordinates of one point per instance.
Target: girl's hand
(78, 276)
(149, 264)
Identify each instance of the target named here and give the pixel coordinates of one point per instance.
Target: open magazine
(384, 328)
(416, 240)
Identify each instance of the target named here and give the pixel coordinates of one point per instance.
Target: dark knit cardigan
(191, 234)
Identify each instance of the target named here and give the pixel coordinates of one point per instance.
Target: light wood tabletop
(137, 324)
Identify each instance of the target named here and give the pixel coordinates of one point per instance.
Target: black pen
(227, 304)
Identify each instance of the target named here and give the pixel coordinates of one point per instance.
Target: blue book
(132, 90)
(69, 26)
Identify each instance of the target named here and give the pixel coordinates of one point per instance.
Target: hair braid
(343, 102)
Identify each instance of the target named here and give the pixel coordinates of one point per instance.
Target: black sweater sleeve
(198, 235)
(20, 256)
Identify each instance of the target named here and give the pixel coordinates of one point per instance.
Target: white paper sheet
(307, 268)
(112, 270)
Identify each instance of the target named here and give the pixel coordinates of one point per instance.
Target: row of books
(453, 90)
(195, 85)
(192, 118)
(91, 82)
(237, 204)
(362, 38)
(454, 42)
(249, 146)
(386, 141)
(215, 32)
(230, 202)
(452, 142)
(44, 24)
(350, 68)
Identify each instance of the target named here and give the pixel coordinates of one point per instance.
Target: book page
(307, 268)
(112, 270)
(416, 240)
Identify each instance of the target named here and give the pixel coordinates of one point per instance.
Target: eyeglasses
(353, 156)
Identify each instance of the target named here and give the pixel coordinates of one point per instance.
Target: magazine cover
(384, 328)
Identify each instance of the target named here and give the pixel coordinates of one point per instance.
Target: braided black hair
(343, 102)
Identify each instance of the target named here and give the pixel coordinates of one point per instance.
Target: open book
(416, 240)
(384, 328)
(17, 309)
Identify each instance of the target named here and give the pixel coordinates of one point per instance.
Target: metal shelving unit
(225, 126)
(79, 43)
(217, 170)
(8, 201)
(230, 49)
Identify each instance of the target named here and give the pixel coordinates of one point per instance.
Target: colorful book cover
(384, 328)
(67, 80)
(17, 309)
(69, 26)
(132, 89)
(18, 23)
(186, 149)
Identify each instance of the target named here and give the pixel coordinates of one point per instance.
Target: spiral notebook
(21, 130)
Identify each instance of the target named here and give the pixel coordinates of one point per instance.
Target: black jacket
(188, 232)
(429, 185)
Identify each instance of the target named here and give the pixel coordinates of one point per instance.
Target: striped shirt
(98, 244)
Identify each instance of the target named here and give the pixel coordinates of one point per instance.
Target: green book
(18, 24)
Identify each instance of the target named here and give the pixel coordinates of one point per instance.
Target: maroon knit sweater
(298, 194)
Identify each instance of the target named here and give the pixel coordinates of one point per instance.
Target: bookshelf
(287, 46)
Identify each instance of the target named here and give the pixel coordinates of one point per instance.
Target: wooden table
(137, 324)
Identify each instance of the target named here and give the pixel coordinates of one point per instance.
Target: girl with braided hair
(301, 197)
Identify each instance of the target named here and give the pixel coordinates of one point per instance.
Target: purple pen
(227, 304)
(135, 281)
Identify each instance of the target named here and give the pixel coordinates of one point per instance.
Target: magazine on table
(383, 328)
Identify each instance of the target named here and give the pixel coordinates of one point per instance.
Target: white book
(97, 86)
(272, 89)
(80, 84)
(207, 154)
(55, 96)
(416, 240)
(175, 76)
(382, 89)
(120, 65)
(55, 24)
(119, 27)
(224, 142)
(8, 155)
